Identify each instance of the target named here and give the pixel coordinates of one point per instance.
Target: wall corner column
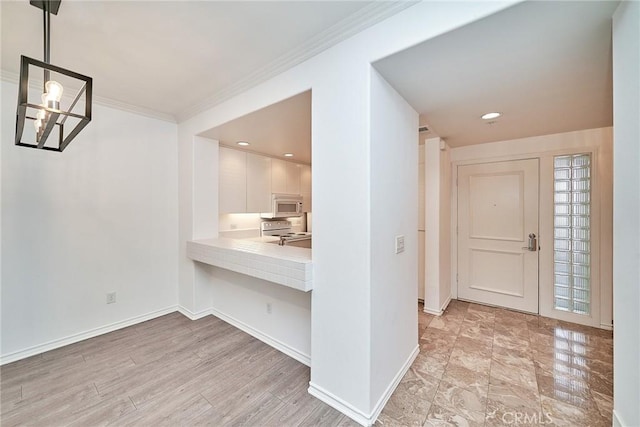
(437, 211)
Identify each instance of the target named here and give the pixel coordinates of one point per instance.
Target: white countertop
(286, 265)
(263, 239)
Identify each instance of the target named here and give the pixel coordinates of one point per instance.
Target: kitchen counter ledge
(284, 265)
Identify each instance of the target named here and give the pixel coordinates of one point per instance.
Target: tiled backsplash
(251, 221)
(243, 221)
(246, 233)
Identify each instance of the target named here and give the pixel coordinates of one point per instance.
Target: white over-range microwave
(284, 206)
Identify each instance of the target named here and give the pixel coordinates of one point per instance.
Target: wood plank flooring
(478, 366)
(167, 371)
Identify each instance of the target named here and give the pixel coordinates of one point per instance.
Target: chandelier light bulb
(54, 90)
(48, 101)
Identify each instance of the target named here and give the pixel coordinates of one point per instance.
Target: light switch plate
(399, 244)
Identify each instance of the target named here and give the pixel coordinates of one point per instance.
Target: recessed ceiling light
(490, 116)
(288, 154)
(243, 143)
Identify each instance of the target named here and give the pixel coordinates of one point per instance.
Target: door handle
(533, 243)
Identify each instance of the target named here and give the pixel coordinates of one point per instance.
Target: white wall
(421, 221)
(242, 301)
(205, 186)
(626, 232)
(545, 147)
(444, 259)
(341, 334)
(99, 217)
(438, 222)
(394, 182)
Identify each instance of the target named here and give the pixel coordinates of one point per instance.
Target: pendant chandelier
(40, 103)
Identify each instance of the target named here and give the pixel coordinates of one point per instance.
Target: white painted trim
(362, 19)
(355, 414)
(545, 284)
(71, 339)
(11, 77)
(617, 420)
(267, 339)
(338, 404)
(453, 235)
(392, 386)
(130, 108)
(194, 315)
(443, 307)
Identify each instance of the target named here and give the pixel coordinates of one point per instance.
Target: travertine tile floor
(484, 366)
(477, 366)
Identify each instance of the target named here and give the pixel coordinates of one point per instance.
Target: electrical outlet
(399, 244)
(268, 308)
(233, 226)
(111, 298)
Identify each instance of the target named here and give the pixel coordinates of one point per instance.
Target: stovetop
(281, 229)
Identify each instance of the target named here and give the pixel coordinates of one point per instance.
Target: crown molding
(11, 77)
(364, 18)
(130, 108)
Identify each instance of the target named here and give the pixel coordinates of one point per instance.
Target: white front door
(497, 211)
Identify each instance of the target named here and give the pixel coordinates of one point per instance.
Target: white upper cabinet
(293, 178)
(258, 183)
(305, 187)
(278, 176)
(232, 192)
(285, 177)
(247, 180)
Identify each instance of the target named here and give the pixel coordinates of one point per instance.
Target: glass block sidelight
(572, 223)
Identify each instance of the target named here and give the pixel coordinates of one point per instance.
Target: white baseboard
(267, 339)
(71, 339)
(617, 422)
(354, 413)
(396, 380)
(440, 311)
(194, 315)
(339, 404)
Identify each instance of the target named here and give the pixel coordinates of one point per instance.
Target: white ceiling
(545, 65)
(173, 59)
(284, 127)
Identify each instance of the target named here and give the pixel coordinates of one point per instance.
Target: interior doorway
(497, 234)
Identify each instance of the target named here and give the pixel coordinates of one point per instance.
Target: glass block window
(572, 240)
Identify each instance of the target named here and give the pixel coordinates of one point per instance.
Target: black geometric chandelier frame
(49, 115)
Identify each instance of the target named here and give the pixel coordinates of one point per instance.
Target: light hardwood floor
(167, 371)
(478, 366)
